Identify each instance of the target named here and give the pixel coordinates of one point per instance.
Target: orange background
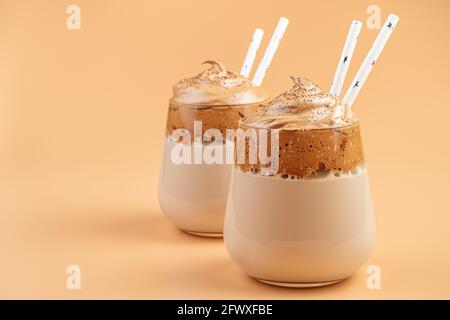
(82, 117)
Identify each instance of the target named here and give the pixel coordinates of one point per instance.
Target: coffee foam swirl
(304, 106)
(217, 86)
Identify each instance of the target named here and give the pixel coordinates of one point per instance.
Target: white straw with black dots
(251, 52)
(270, 51)
(373, 55)
(346, 57)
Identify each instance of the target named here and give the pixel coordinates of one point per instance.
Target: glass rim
(355, 123)
(206, 105)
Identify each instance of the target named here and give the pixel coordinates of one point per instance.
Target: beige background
(81, 125)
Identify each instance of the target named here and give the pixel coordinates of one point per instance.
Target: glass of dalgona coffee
(307, 220)
(198, 158)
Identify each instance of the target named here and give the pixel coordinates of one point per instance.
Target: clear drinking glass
(312, 223)
(193, 195)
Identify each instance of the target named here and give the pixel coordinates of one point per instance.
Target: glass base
(205, 234)
(299, 284)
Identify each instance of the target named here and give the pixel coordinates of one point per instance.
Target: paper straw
(371, 58)
(346, 57)
(270, 51)
(251, 52)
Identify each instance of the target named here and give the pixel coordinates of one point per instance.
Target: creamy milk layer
(193, 196)
(299, 232)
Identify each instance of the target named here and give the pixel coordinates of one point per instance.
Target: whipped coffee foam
(217, 86)
(304, 106)
(318, 134)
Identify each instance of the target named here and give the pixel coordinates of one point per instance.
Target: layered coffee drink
(309, 221)
(197, 160)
